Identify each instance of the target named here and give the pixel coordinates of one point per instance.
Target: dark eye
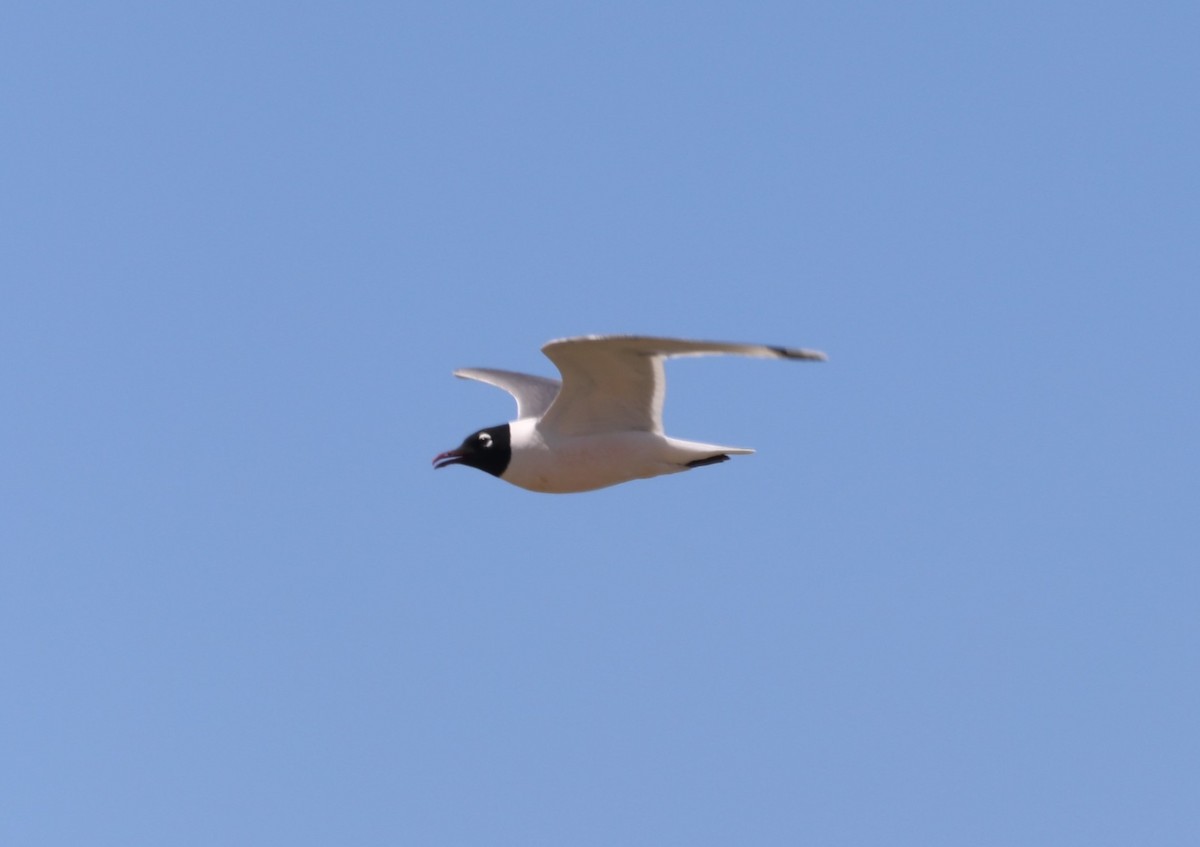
(483, 440)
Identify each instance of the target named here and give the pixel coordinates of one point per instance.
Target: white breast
(563, 464)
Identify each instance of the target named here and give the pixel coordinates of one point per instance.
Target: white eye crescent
(484, 440)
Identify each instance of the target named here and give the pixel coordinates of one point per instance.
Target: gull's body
(602, 425)
(556, 464)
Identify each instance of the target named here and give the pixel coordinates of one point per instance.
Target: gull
(602, 424)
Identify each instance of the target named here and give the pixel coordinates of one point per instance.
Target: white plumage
(602, 425)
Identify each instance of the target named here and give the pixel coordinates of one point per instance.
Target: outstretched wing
(614, 383)
(533, 394)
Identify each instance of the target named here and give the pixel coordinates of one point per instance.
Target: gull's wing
(614, 383)
(533, 394)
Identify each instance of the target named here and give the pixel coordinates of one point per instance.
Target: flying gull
(600, 426)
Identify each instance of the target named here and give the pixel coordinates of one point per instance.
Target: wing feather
(614, 383)
(533, 394)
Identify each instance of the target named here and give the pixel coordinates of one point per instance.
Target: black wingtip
(799, 353)
(711, 460)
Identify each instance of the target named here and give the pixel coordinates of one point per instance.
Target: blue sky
(951, 600)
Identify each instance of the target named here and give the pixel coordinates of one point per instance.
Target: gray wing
(533, 394)
(615, 383)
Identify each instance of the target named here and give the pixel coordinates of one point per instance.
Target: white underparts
(560, 465)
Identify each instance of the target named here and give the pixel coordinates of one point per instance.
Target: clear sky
(952, 600)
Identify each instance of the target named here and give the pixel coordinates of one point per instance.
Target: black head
(489, 450)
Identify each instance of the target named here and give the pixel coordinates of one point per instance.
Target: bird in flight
(600, 426)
